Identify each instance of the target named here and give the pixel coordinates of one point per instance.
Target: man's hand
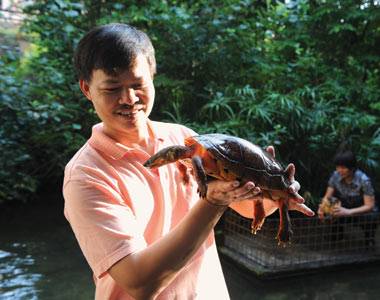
(223, 193)
(321, 215)
(340, 211)
(296, 202)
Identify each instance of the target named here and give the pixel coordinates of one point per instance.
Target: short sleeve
(103, 224)
(333, 180)
(367, 187)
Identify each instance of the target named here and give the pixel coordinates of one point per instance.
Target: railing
(314, 244)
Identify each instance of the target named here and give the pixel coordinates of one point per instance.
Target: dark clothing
(351, 195)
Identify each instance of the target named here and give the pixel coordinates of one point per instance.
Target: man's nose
(128, 96)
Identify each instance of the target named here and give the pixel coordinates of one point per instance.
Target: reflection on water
(40, 259)
(16, 281)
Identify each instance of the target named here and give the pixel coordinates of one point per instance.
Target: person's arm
(329, 193)
(146, 273)
(369, 203)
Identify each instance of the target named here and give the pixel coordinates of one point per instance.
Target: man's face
(343, 171)
(123, 102)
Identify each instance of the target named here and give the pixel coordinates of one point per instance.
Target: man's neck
(348, 179)
(139, 139)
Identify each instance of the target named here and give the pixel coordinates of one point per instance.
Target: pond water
(40, 259)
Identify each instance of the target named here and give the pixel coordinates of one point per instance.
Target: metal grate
(315, 244)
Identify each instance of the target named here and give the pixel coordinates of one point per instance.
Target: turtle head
(168, 155)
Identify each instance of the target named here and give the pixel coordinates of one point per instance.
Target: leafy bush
(303, 76)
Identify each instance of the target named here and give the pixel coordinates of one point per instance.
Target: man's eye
(138, 86)
(112, 90)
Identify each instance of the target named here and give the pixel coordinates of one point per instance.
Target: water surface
(40, 259)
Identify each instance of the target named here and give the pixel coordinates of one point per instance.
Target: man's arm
(329, 193)
(146, 273)
(369, 203)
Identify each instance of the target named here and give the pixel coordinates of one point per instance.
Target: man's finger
(249, 192)
(228, 186)
(291, 171)
(223, 186)
(270, 150)
(294, 187)
(297, 198)
(302, 208)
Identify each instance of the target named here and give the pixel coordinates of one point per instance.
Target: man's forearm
(361, 209)
(157, 265)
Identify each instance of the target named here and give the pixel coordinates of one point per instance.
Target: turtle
(229, 158)
(328, 205)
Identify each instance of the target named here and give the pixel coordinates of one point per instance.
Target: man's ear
(85, 88)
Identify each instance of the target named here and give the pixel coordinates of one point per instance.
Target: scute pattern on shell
(246, 160)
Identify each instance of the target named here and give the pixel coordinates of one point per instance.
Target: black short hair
(345, 158)
(112, 48)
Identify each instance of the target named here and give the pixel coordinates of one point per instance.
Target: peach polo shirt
(116, 206)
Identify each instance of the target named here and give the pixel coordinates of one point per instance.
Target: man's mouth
(130, 111)
(126, 113)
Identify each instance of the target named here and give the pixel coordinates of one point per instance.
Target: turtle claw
(256, 225)
(283, 237)
(284, 244)
(255, 230)
(202, 191)
(200, 176)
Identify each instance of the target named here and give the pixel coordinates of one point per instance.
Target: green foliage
(303, 76)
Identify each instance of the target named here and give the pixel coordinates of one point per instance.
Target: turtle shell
(245, 160)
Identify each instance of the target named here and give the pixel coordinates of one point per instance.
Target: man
(145, 233)
(352, 191)
(350, 186)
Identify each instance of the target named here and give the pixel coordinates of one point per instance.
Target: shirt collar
(354, 178)
(102, 142)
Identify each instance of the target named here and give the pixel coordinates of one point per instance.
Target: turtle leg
(183, 171)
(168, 155)
(284, 231)
(200, 175)
(258, 214)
